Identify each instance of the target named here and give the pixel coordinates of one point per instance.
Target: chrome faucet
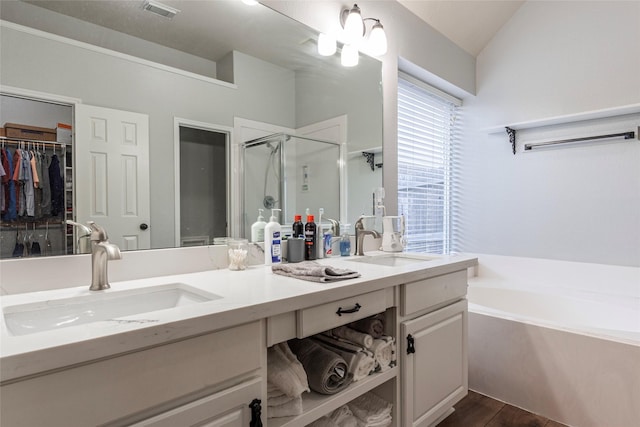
(101, 252)
(360, 233)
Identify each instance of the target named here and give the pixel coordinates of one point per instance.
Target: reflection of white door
(111, 166)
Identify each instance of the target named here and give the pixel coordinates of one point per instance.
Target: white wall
(578, 204)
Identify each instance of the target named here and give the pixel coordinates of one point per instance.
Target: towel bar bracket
(512, 138)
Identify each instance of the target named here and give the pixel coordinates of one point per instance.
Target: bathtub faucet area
(101, 252)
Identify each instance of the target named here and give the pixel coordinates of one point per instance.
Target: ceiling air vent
(160, 9)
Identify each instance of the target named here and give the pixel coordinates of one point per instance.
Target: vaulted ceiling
(468, 23)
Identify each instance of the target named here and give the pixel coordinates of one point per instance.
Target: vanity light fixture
(160, 9)
(355, 31)
(353, 24)
(349, 56)
(327, 45)
(377, 39)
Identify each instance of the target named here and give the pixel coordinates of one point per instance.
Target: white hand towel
(314, 272)
(284, 373)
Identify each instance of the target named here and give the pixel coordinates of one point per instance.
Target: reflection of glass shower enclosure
(292, 173)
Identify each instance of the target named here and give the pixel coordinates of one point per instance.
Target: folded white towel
(323, 422)
(343, 417)
(360, 361)
(289, 409)
(276, 397)
(285, 371)
(384, 352)
(370, 409)
(356, 337)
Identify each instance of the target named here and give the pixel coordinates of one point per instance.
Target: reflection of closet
(40, 128)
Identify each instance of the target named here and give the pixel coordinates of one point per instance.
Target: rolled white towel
(356, 337)
(384, 352)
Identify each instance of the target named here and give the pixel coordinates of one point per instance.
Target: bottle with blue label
(273, 240)
(345, 242)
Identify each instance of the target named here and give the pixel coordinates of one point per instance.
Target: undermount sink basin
(392, 260)
(110, 305)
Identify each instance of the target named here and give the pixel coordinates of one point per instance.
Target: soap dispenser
(273, 240)
(257, 229)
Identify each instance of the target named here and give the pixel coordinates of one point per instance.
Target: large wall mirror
(245, 72)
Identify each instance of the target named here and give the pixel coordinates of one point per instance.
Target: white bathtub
(566, 349)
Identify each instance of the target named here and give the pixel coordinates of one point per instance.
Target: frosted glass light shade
(326, 45)
(349, 56)
(354, 25)
(377, 40)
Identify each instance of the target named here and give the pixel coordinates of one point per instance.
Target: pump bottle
(272, 240)
(310, 239)
(298, 226)
(257, 229)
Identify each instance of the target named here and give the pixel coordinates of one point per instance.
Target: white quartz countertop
(248, 295)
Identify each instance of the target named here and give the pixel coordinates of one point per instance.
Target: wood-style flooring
(477, 410)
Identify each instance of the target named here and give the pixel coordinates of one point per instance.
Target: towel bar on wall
(625, 135)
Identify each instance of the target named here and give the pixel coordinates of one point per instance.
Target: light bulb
(377, 40)
(349, 56)
(354, 25)
(326, 44)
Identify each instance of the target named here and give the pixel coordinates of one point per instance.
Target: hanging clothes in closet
(9, 212)
(32, 184)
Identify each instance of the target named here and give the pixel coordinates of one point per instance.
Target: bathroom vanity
(202, 360)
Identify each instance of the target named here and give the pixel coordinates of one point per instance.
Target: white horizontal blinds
(426, 125)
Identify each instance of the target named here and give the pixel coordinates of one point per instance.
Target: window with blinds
(426, 130)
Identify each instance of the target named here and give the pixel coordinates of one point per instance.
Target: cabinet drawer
(331, 315)
(432, 292)
(134, 382)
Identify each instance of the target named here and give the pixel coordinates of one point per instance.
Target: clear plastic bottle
(345, 243)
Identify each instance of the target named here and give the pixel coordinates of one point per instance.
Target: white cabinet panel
(228, 408)
(434, 361)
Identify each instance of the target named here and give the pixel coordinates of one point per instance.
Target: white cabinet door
(434, 361)
(228, 408)
(112, 173)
